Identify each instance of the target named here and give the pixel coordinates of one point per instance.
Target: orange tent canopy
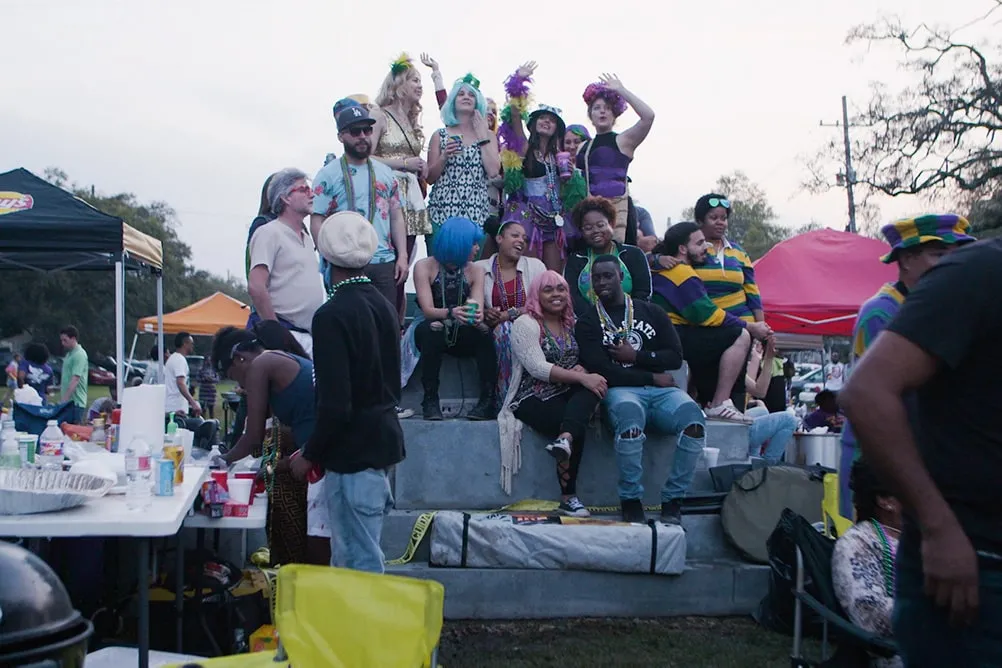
(203, 318)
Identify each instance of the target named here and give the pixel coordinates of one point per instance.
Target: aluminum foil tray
(29, 491)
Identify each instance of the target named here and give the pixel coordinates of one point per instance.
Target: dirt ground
(684, 642)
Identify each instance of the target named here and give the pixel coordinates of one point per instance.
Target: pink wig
(598, 90)
(549, 279)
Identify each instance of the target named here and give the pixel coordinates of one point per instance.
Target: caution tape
(424, 520)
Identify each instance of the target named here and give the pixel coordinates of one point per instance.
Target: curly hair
(589, 204)
(866, 487)
(599, 91)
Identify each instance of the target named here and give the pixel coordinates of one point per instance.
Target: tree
(749, 223)
(44, 303)
(937, 137)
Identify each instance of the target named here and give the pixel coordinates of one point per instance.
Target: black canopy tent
(45, 228)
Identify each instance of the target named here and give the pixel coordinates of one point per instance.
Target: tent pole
(160, 324)
(119, 325)
(132, 350)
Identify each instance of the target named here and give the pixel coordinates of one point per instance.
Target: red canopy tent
(815, 282)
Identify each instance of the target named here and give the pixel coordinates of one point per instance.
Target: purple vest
(607, 166)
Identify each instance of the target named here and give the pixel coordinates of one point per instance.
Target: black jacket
(356, 366)
(653, 337)
(632, 257)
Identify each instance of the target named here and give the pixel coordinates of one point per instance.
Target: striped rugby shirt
(681, 293)
(731, 285)
(873, 318)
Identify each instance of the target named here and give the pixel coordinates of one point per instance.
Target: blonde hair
(387, 97)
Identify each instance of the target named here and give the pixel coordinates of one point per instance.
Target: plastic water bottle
(10, 456)
(139, 471)
(50, 447)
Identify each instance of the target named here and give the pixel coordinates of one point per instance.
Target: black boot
(671, 512)
(484, 410)
(633, 510)
(430, 405)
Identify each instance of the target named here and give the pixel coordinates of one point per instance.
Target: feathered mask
(600, 90)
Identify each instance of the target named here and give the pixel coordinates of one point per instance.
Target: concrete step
(720, 587)
(456, 464)
(704, 536)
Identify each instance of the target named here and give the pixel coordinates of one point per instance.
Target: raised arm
(441, 94)
(516, 99)
(632, 137)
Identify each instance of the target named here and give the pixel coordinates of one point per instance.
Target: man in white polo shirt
(177, 395)
(285, 283)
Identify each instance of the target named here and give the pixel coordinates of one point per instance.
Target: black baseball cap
(350, 116)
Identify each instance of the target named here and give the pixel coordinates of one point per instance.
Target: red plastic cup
(316, 473)
(220, 478)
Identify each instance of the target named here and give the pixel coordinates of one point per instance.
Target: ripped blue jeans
(668, 409)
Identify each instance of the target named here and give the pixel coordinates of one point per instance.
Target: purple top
(607, 166)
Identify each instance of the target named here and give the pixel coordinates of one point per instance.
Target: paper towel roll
(143, 416)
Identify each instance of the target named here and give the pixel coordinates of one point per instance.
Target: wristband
(483, 142)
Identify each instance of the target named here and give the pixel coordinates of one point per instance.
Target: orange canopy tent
(203, 318)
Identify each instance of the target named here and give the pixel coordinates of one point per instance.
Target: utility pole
(850, 175)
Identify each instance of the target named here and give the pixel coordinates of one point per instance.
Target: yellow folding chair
(340, 618)
(835, 524)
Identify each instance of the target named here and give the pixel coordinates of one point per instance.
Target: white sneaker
(726, 412)
(560, 449)
(404, 413)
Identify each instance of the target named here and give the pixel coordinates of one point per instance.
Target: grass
(682, 642)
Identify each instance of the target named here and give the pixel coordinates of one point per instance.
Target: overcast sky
(195, 103)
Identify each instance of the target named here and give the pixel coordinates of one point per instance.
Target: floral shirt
(859, 579)
(329, 196)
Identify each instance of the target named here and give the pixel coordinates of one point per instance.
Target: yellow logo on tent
(12, 202)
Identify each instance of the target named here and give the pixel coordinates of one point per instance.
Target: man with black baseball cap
(358, 183)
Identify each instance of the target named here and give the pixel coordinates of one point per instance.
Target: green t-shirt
(75, 364)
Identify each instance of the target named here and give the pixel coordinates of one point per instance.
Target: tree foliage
(42, 304)
(939, 136)
(750, 223)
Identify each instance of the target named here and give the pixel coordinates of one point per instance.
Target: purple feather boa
(509, 140)
(517, 86)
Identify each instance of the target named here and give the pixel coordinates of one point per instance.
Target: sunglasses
(358, 132)
(716, 201)
(306, 189)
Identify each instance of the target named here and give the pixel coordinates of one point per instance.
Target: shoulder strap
(403, 132)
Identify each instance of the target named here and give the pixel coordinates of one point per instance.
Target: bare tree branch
(942, 132)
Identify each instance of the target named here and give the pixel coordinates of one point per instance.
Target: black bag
(775, 611)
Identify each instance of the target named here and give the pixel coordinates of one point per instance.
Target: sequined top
(393, 143)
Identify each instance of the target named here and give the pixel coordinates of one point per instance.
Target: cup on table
(564, 166)
(240, 490)
(221, 478)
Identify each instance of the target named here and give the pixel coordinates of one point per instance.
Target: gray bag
(524, 540)
(757, 500)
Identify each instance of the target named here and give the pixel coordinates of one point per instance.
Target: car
(99, 376)
(812, 381)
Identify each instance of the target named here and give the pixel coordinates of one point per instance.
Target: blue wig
(449, 108)
(454, 241)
